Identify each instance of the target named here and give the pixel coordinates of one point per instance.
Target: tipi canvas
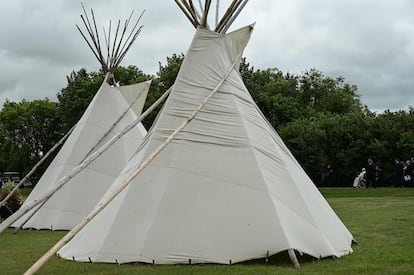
(76, 199)
(226, 189)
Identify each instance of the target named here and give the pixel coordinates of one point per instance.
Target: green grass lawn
(381, 220)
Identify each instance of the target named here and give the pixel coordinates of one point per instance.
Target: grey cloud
(370, 43)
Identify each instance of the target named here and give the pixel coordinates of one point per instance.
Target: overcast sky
(369, 42)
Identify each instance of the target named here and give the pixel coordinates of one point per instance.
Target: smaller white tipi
(110, 111)
(218, 185)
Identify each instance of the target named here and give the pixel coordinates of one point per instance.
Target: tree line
(320, 118)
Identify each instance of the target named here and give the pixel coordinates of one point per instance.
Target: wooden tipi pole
(226, 15)
(203, 22)
(217, 12)
(233, 17)
(36, 266)
(186, 12)
(293, 258)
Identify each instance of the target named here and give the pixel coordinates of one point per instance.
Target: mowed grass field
(381, 220)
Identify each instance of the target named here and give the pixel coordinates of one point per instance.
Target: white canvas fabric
(134, 98)
(226, 189)
(68, 206)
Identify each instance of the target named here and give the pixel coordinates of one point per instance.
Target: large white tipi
(110, 111)
(225, 189)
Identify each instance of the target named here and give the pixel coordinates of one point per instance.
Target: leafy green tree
(27, 130)
(406, 143)
(325, 94)
(129, 75)
(274, 93)
(391, 136)
(247, 74)
(168, 73)
(339, 140)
